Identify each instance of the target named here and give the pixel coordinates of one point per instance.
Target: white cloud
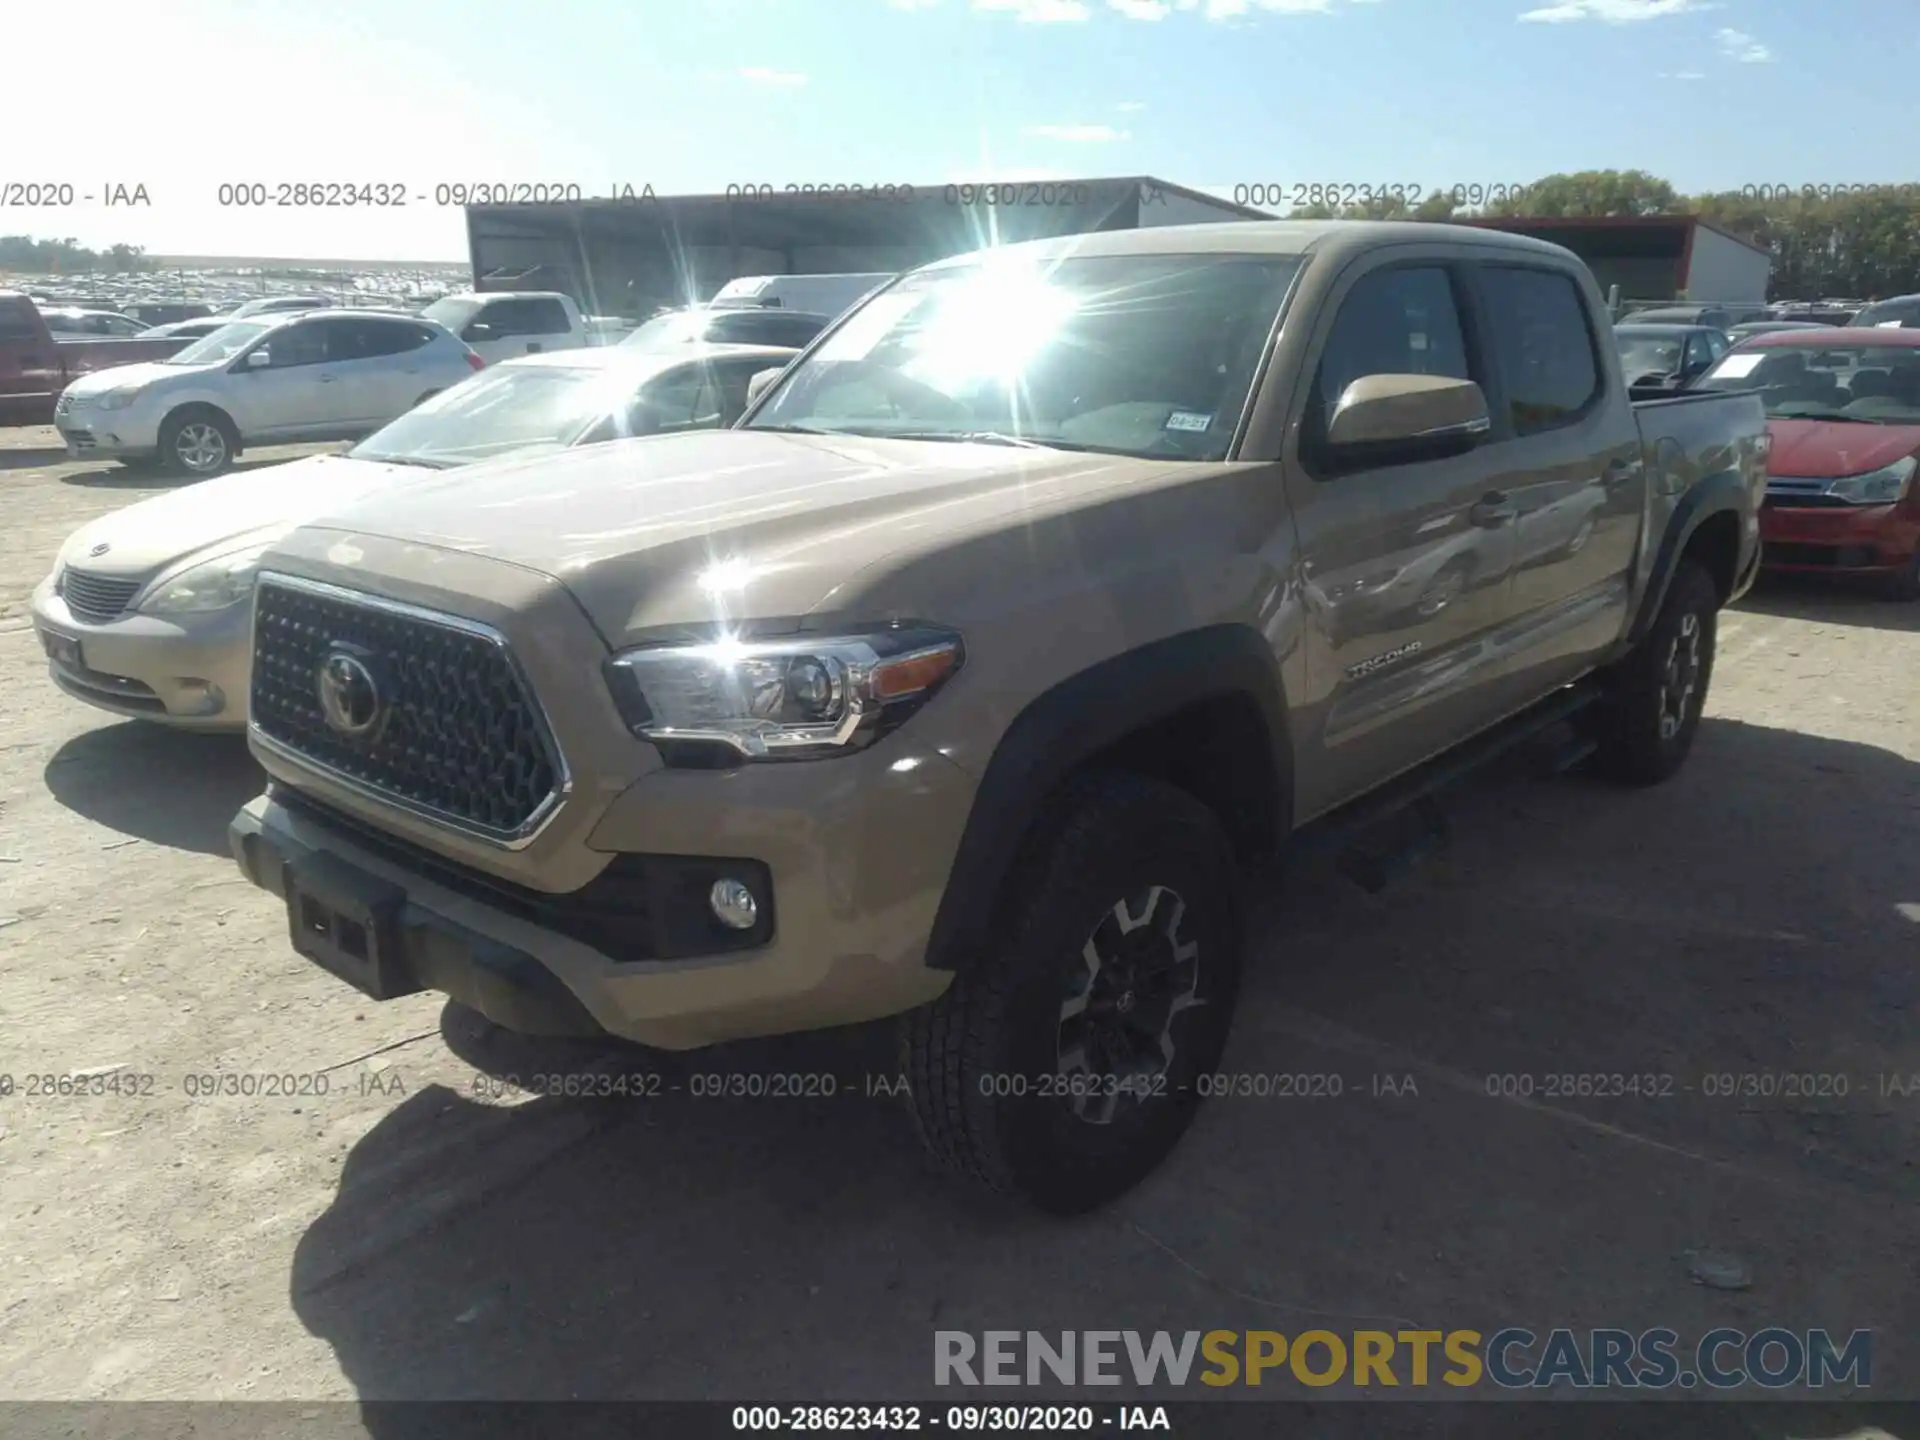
(1680, 75)
(1740, 46)
(1130, 107)
(1040, 12)
(1078, 134)
(1075, 10)
(780, 79)
(1612, 12)
(913, 4)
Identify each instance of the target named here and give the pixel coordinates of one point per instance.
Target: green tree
(1591, 192)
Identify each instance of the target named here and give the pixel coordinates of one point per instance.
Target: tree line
(1824, 240)
(68, 257)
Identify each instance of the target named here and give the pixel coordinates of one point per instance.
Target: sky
(691, 96)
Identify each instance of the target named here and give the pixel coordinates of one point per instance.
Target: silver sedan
(147, 610)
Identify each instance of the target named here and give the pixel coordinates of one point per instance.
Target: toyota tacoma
(1047, 591)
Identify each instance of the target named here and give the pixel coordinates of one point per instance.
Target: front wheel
(1650, 711)
(197, 443)
(1063, 1065)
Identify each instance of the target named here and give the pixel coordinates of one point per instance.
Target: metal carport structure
(629, 256)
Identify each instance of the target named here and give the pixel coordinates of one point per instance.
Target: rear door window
(1543, 345)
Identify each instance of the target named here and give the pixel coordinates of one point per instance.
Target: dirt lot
(406, 1234)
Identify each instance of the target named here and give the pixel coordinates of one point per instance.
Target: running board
(1374, 867)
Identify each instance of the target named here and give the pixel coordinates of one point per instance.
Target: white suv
(273, 380)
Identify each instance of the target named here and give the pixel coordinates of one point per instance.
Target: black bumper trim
(503, 983)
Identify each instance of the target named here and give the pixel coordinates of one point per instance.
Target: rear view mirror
(1419, 416)
(758, 385)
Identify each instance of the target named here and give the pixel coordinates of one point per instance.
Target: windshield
(500, 410)
(1894, 314)
(453, 312)
(223, 344)
(1149, 355)
(1878, 384)
(687, 325)
(1647, 355)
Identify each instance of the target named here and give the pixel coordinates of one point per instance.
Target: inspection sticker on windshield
(1734, 366)
(1187, 420)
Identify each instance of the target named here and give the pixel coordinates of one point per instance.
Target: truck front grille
(96, 599)
(453, 731)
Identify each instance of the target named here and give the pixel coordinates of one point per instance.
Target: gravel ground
(409, 1233)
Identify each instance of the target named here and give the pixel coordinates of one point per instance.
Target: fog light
(200, 698)
(733, 905)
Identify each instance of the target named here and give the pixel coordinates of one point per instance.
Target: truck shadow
(1828, 601)
(789, 1249)
(168, 787)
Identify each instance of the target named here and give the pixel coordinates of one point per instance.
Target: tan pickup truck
(1049, 588)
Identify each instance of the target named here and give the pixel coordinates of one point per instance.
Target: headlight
(788, 699)
(214, 585)
(115, 399)
(1876, 487)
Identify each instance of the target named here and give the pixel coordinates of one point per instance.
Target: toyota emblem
(99, 549)
(350, 696)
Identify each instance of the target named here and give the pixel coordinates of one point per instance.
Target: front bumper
(191, 672)
(128, 433)
(1860, 539)
(856, 853)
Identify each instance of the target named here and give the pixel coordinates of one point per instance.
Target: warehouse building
(1655, 257)
(631, 255)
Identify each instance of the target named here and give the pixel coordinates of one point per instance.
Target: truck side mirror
(259, 359)
(758, 385)
(1400, 418)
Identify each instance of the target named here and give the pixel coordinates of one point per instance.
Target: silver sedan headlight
(206, 587)
(112, 399)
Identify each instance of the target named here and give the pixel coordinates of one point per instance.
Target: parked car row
(142, 615)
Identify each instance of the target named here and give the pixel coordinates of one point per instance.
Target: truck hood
(133, 377)
(154, 534)
(680, 529)
(1823, 449)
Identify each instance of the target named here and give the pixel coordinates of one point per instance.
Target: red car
(1843, 408)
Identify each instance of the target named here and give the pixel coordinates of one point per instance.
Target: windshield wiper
(1833, 415)
(414, 460)
(984, 437)
(796, 430)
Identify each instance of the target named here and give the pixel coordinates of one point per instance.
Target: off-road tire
(1635, 748)
(180, 425)
(1101, 842)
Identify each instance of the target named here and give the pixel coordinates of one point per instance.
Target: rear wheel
(1647, 718)
(1063, 1065)
(197, 441)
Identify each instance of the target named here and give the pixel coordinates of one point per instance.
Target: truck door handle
(324, 379)
(1494, 508)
